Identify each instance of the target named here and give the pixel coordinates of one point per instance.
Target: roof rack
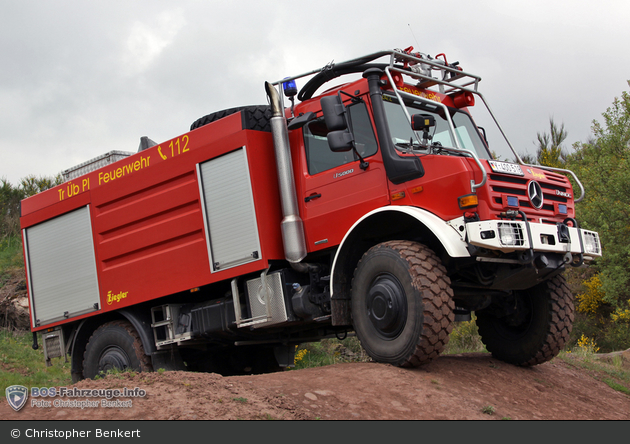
(416, 65)
(94, 164)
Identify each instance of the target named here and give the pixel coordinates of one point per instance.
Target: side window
(319, 156)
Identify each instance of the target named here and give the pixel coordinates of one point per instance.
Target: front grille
(553, 185)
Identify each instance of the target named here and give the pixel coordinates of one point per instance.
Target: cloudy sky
(82, 78)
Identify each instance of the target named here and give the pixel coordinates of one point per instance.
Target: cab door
(335, 191)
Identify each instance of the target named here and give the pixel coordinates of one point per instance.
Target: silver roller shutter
(62, 267)
(229, 210)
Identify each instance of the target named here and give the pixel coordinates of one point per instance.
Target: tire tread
(431, 280)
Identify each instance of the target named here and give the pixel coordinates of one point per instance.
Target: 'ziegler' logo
(536, 174)
(111, 298)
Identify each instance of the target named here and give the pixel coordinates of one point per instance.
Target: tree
(603, 166)
(32, 185)
(10, 197)
(550, 151)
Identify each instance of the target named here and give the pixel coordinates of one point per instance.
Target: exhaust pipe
(292, 228)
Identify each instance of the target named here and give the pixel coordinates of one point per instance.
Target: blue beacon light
(290, 88)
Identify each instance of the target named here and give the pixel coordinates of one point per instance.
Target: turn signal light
(397, 196)
(468, 201)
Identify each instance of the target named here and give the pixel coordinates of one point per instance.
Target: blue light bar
(290, 88)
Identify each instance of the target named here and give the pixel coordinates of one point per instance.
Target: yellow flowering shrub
(587, 345)
(299, 355)
(621, 315)
(593, 298)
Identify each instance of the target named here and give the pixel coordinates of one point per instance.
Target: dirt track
(455, 387)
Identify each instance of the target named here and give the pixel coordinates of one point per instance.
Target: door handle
(312, 196)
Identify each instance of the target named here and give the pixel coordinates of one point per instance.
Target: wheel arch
(140, 321)
(380, 225)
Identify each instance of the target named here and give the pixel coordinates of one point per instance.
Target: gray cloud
(79, 79)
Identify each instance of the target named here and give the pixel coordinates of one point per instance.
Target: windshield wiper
(410, 146)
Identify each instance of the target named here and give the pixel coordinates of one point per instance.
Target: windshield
(467, 133)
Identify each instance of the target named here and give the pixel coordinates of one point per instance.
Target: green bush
(465, 338)
(328, 352)
(609, 335)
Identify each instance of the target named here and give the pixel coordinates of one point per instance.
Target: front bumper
(510, 236)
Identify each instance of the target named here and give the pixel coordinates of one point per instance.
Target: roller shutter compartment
(62, 276)
(229, 211)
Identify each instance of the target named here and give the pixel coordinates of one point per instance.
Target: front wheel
(537, 331)
(114, 345)
(402, 303)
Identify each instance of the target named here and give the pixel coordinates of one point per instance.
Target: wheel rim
(387, 306)
(113, 357)
(516, 327)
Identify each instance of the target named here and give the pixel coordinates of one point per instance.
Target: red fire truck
(374, 208)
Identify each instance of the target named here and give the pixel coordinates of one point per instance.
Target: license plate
(506, 168)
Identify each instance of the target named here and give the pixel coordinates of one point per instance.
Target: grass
(11, 255)
(116, 373)
(21, 365)
(488, 410)
(616, 386)
(614, 374)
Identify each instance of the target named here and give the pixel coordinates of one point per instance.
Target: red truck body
(149, 235)
(172, 245)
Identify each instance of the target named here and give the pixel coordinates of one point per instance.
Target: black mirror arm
(363, 164)
(355, 99)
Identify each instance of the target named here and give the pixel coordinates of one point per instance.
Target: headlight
(591, 243)
(511, 234)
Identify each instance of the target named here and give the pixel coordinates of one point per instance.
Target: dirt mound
(454, 387)
(14, 300)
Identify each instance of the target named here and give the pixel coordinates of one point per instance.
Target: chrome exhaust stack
(292, 227)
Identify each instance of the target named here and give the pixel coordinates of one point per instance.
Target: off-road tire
(254, 117)
(402, 303)
(541, 334)
(115, 344)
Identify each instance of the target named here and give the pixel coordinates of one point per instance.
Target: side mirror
(422, 122)
(340, 141)
(334, 113)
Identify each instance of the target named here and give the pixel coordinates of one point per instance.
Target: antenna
(414, 36)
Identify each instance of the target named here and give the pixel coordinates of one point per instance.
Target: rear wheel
(114, 345)
(402, 303)
(537, 331)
